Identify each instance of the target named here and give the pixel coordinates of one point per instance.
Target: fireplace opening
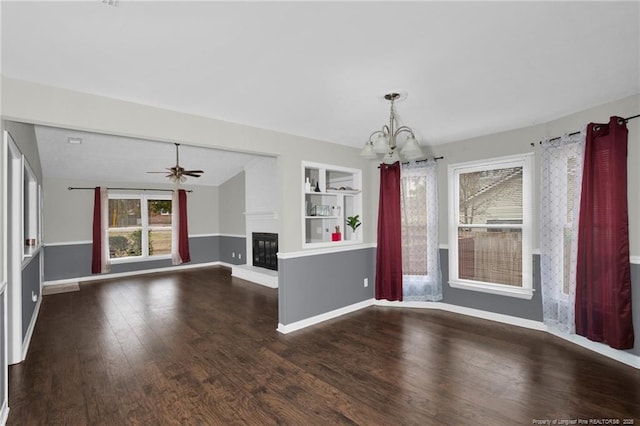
(265, 249)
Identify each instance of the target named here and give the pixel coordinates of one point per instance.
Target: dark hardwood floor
(199, 347)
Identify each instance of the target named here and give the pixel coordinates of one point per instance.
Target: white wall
(261, 194)
(68, 215)
(232, 205)
(40, 104)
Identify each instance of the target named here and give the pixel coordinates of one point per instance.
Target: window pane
(159, 212)
(159, 227)
(414, 225)
(490, 255)
(124, 213)
(491, 196)
(125, 242)
(159, 241)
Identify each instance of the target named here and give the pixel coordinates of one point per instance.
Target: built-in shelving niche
(330, 195)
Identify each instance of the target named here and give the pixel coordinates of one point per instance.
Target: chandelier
(385, 141)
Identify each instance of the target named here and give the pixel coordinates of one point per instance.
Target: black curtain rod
(71, 188)
(422, 161)
(577, 133)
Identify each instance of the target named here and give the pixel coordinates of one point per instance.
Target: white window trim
(144, 198)
(526, 162)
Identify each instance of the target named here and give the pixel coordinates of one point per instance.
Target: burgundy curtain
(96, 253)
(389, 251)
(183, 233)
(603, 280)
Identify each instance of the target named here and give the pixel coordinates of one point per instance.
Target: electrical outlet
(239, 255)
(366, 282)
(233, 254)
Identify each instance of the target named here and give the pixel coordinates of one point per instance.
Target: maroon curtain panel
(603, 279)
(96, 251)
(389, 251)
(183, 233)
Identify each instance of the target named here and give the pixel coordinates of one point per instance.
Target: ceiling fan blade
(178, 173)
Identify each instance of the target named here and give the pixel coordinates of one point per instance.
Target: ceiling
(99, 158)
(320, 69)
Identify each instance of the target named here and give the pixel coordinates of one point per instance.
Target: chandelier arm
(375, 133)
(404, 129)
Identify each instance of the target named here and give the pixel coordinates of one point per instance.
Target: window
(139, 226)
(490, 228)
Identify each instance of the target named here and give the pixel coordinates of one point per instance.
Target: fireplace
(265, 249)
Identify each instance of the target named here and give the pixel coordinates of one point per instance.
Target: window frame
(454, 171)
(144, 227)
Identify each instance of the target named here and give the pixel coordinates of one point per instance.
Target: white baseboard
(4, 413)
(60, 288)
(606, 350)
(615, 354)
(298, 325)
(32, 325)
(99, 277)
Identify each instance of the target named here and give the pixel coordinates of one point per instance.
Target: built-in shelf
(339, 196)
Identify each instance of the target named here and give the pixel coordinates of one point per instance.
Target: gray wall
(313, 285)
(232, 207)
(232, 249)
(521, 308)
(30, 284)
(73, 261)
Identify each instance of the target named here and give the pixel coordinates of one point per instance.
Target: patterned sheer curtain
(561, 182)
(421, 276)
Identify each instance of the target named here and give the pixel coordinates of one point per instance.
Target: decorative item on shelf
(307, 185)
(31, 242)
(386, 139)
(317, 187)
(320, 210)
(336, 236)
(354, 223)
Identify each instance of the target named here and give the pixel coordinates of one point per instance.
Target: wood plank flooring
(200, 348)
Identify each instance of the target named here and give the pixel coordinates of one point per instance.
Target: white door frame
(15, 230)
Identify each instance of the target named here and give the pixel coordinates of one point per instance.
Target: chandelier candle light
(386, 140)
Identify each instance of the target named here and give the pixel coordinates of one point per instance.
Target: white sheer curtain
(421, 279)
(104, 214)
(561, 183)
